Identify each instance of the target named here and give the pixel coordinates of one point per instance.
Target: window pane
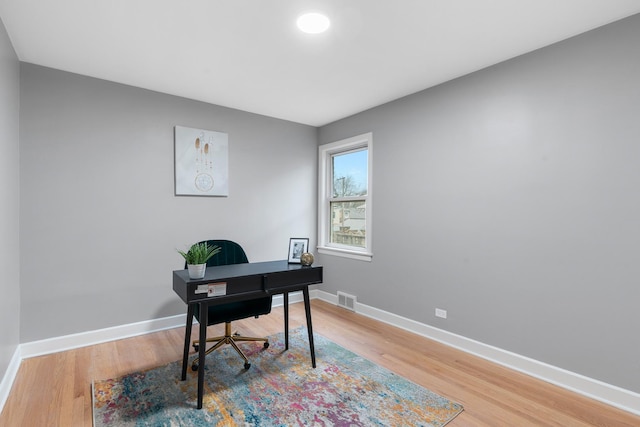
(349, 173)
(348, 223)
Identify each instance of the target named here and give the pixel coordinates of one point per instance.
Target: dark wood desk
(238, 282)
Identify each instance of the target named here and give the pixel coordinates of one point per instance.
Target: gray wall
(9, 201)
(511, 198)
(99, 220)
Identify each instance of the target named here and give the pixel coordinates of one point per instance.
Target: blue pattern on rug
(280, 389)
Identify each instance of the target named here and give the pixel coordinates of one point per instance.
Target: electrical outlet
(441, 313)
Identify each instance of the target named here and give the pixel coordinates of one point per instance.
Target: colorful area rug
(280, 389)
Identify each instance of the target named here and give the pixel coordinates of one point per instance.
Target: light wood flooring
(55, 390)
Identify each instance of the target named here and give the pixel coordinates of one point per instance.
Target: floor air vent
(347, 301)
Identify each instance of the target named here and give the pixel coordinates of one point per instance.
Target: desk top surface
(245, 281)
(222, 272)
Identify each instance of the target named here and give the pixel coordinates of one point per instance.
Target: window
(344, 217)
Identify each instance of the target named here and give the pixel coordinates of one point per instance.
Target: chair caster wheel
(194, 367)
(247, 365)
(266, 344)
(195, 347)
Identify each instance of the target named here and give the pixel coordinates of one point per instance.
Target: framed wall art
(201, 162)
(296, 248)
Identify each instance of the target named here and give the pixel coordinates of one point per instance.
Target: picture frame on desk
(297, 246)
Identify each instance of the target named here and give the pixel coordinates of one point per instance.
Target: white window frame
(325, 192)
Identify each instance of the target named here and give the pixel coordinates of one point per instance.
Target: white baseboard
(82, 339)
(612, 395)
(9, 377)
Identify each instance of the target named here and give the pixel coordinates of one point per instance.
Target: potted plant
(197, 257)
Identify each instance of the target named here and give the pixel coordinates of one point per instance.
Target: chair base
(227, 338)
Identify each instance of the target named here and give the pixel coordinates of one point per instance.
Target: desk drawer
(217, 289)
(292, 279)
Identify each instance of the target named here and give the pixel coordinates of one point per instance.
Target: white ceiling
(248, 54)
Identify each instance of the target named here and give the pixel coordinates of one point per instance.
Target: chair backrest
(231, 253)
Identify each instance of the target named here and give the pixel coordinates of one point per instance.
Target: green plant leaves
(199, 253)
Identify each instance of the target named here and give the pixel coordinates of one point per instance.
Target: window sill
(345, 253)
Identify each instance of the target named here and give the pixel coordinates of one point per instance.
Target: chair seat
(238, 310)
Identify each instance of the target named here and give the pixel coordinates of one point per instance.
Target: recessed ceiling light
(313, 23)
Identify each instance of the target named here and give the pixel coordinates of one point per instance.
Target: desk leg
(202, 346)
(307, 309)
(187, 339)
(286, 320)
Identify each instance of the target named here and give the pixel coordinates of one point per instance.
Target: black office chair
(230, 253)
